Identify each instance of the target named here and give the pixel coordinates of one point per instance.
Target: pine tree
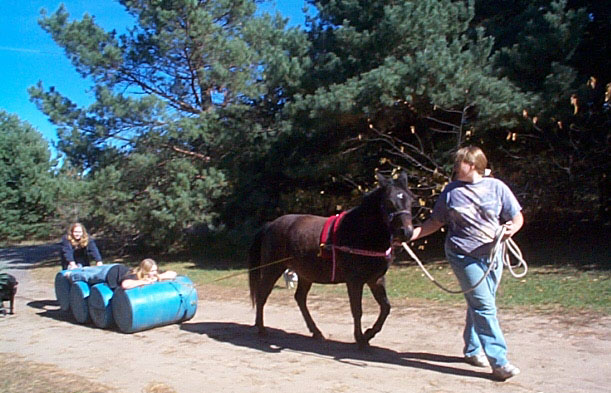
(181, 99)
(562, 147)
(401, 85)
(28, 189)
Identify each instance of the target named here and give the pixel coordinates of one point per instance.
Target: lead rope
(506, 247)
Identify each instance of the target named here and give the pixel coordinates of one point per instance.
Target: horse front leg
(355, 294)
(378, 289)
(301, 296)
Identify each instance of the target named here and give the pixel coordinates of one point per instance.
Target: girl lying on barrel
(146, 273)
(119, 275)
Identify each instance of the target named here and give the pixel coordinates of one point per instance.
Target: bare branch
(199, 156)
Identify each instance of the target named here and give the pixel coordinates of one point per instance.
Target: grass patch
(544, 287)
(563, 288)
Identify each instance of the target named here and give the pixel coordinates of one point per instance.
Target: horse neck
(364, 226)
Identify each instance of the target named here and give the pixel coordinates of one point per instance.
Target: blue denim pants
(90, 274)
(482, 329)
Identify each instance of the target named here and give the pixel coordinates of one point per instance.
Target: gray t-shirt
(473, 212)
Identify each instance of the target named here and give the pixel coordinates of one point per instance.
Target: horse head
(396, 206)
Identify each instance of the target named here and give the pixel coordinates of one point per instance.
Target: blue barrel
(62, 290)
(189, 296)
(79, 292)
(157, 304)
(100, 312)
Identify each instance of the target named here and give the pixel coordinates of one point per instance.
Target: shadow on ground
(278, 341)
(29, 257)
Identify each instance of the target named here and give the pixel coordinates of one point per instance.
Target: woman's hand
(99, 263)
(513, 226)
(428, 227)
(72, 265)
(509, 231)
(169, 275)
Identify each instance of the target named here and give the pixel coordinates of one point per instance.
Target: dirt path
(419, 349)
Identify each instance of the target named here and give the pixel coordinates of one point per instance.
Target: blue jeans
(482, 329)
(92, 275)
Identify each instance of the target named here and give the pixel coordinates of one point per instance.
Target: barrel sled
(64, 279)
(62, 290)
(79, 293)
(100, 311)
(157, 304)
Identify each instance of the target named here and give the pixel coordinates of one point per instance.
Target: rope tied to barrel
(507, 247)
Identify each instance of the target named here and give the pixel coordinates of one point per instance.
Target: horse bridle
(391, 216)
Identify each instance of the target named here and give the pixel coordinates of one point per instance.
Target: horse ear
(402, 181)
(382, 180)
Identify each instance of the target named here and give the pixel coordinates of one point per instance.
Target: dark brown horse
(360, 253)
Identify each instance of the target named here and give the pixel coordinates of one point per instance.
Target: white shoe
(478, 360)
(505, 372)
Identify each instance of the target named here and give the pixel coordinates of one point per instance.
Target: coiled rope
(507, 247)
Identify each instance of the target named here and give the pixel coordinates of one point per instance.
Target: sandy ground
(419, 349)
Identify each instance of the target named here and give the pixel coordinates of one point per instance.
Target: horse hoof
(363, 344)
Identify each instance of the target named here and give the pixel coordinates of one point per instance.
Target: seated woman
(146, 273)
(78, 248)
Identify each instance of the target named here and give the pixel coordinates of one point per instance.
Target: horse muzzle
(403, 234)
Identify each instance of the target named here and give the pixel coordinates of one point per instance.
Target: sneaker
(504, 372)
(479, 360)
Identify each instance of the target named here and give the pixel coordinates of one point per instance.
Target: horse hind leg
(269, 276)
(301, 295)
(378, 289)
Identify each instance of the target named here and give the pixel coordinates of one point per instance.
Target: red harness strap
(328, 236)
(328, 240)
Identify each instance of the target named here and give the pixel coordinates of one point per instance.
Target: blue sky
(28, 54)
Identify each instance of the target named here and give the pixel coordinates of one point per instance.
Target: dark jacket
(81, 256)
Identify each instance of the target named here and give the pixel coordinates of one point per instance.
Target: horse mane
(370, 201)
(372, 197)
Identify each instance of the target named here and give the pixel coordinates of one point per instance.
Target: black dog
(8, 289)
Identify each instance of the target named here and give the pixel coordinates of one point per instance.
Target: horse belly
(297, 237)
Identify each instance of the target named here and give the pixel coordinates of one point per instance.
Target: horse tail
(254, 261)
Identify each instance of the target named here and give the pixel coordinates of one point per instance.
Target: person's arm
(169, 275)
(92, 248)
(68, 254)
(428, 227)
(130, 283)
(514, 225)
(511, 208)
